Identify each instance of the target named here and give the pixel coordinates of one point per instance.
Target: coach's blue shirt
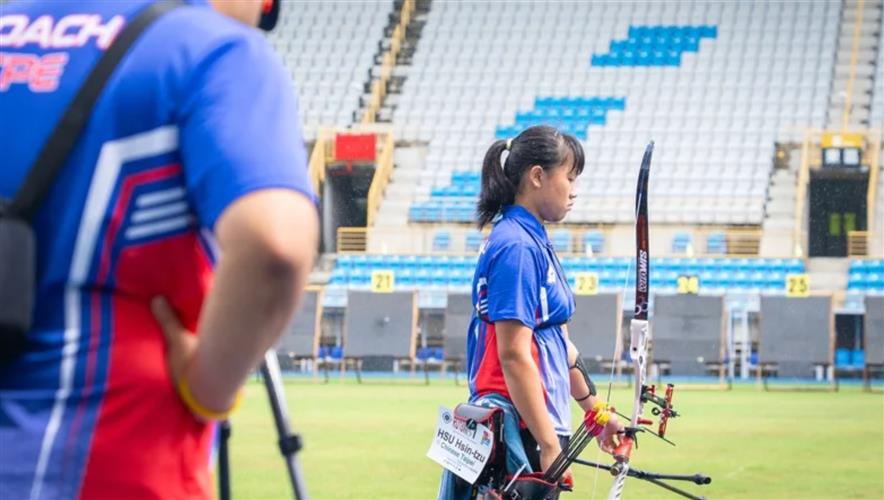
(199, 113)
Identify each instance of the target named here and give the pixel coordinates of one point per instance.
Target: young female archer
(519, 356)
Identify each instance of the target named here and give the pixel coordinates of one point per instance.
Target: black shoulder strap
(63, 138)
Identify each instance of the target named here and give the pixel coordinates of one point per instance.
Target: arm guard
(581, 367)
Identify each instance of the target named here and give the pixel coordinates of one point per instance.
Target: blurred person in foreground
(519, 355)
(171, 250)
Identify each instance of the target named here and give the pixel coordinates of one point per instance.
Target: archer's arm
(523, 381)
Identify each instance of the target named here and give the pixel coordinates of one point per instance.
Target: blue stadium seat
(561, 240)
(695, 266)
(654, 45)
(474, 241)
(795, 266)
(594, 240)
(416, 213)
(423, 353)
(723, 280)
(858, 358)
(716, 243)
(338, 277)
(588, 264)
(776, 280)
(739, 280)
(744, 265)
(726, 265)
(442, 241)
(758, 280)
(843, 358)
(375, 261)
(345, 261)
(680, 242)
(359, 276)
(774, 265)
(422, 277)
(718, 274)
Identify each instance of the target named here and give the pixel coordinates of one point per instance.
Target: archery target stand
(300, 342)
(595, 317)
(380, 326)
(873, 340)
(458, 314)
(689, 338)
(797, 336)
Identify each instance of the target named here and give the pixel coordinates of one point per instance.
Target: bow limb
(638, 328)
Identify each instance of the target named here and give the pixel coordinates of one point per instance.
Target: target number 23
(586, 284)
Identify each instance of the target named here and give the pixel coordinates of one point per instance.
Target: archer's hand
(548, 455)
(609, 438)
(180, 343)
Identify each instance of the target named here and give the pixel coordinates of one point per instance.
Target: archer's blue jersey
(518, 277)
(199, 113)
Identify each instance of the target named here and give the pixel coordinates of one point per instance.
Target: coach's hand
(180, 343)
(181, 350)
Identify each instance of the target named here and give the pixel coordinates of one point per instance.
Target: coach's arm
(268, 242)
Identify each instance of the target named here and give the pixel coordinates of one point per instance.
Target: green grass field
(369, 442)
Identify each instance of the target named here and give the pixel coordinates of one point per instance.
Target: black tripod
(289, 443)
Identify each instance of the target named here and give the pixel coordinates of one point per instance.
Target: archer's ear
(535, 176)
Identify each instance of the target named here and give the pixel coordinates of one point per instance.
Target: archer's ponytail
(538, 145)
(497, 190)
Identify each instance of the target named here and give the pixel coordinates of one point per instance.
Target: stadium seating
(594, 241)
(455, 272)
(716, 243)
(654, 46)
(680, 242)
(572, 115)
(877, 115)
(561, 240)
(849, 359)
(482, 72)
(474, 241)
(866, 276)
(441, 241)
(329, 47)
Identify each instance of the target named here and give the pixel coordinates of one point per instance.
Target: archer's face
(557, 192)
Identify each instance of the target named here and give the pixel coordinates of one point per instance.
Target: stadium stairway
(878, 242)
(409, 161)
(413, 31)
(376, 73)
(410, 156)
(868, 20)
(780, 214)
(828, 273)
